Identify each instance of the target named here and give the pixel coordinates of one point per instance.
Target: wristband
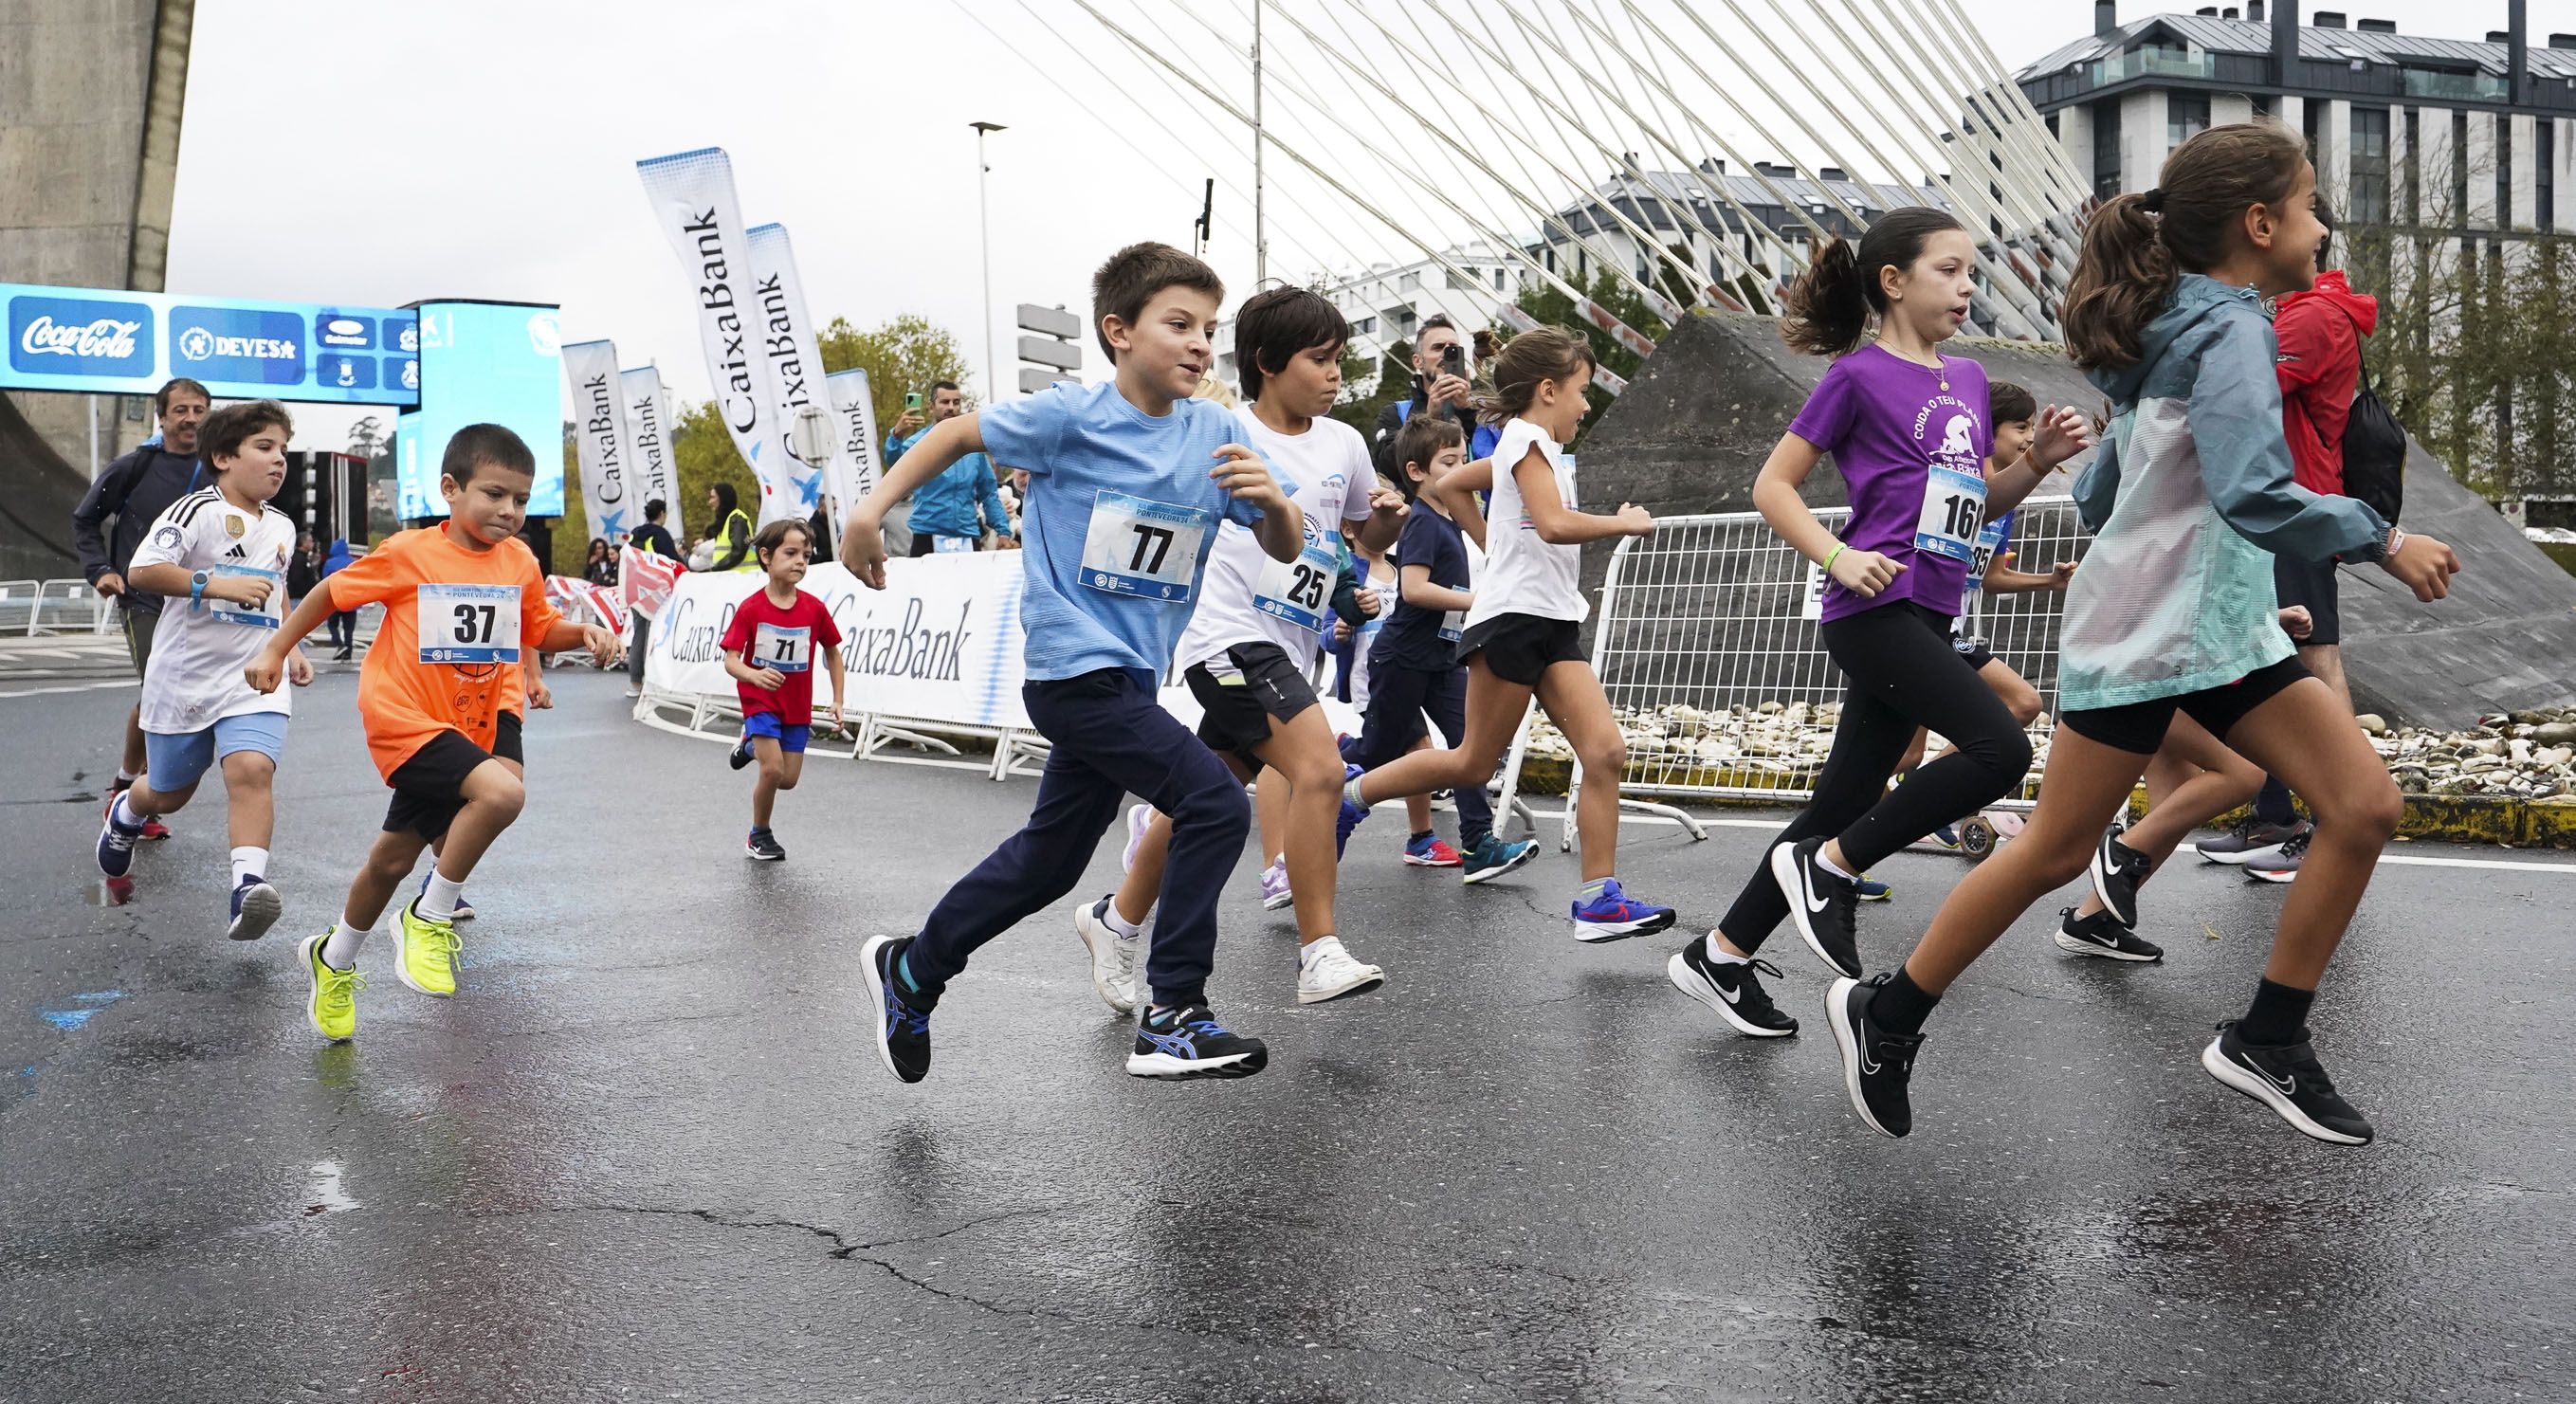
(1827, 564)
(2396, 543)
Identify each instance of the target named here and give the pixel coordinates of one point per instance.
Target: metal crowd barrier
(68, 607)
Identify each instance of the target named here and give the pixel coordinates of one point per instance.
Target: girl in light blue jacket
(2173, 612)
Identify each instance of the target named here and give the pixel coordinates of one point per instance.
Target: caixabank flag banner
(657, 474)
(608, 499)
(795, 353)
(483, 363)
(90, 341)
(855, 403)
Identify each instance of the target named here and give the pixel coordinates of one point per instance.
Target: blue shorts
(789, 738)
(176, 760)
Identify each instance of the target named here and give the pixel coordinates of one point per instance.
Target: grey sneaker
(2245, 840)
(2282, 864)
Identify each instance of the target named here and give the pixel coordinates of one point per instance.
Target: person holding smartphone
(1443, 378)
(953, 511)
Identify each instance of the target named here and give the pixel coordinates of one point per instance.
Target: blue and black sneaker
(1494, 855)
(1611, 915)
(1870, 889)
(116, 844)
(1186, 1043)
(256, 908)
(1351, 814)
(903, 1032)
(740, 755)
(464, 909)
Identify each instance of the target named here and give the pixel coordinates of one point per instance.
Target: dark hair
(1830, 305)
(2136, 247)
(172, 386)
(938, 385)
(1280, 325)
(599, 546)
(725, 502)
(2325, 246)
(2007, 403)
(1133, 275)
(1436, 319)
(1541, 353)
(1420, 441)
(228, 428)
(656, 509)
(476, 445)
(774, 535)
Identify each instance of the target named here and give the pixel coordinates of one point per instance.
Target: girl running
(1909, 429)
(1520, 635)
(2173, 613)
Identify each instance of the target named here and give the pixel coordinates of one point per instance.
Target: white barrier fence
(35, 607)
(1706, 643)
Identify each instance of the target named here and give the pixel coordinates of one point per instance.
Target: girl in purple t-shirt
(1909, 429)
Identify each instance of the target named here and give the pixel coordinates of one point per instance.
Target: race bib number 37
(468, 623)
(1954, 504)
(1143, 548)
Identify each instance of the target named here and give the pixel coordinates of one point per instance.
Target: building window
(2263, 103)
(2370, 165)
(2544, 180)
(1461, 278)
(2504, 171)
(2460, 170)
(2106, 149)
(2414, 166)
(2311, 116)
(1498, 280)
(1364, 325)
(2186, 116)
(2052, 125)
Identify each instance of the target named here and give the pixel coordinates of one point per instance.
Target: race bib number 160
(1139, 547)
(468, 623)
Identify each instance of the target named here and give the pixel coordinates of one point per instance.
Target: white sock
(1120, 926)
(123, 812)
(124, 778)
(1828, 865)
(340, 948)
(249, 862)
(438, 900)
(1313, 951)
(1351, 791)
(1720, 955)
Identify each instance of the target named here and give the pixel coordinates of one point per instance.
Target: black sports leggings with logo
(1900, 672)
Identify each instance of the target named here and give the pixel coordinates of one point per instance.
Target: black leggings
(1900, 672)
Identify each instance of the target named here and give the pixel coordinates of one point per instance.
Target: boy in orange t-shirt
(441, 696)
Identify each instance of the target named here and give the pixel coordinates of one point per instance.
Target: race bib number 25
(468, 623)
(1144, 548)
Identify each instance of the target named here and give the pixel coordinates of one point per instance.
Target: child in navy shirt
(1127, 483)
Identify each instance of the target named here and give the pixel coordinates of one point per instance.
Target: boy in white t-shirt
(1247, 650)
(220, 554)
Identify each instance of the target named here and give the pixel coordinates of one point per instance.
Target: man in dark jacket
(1435, 391)
(135, 490)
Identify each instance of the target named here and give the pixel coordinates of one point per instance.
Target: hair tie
(2153, 202)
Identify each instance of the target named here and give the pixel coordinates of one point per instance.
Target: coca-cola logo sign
(105, 337)
(80, 336)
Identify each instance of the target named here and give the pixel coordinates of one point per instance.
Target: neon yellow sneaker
(333, 1003)
(425, 952)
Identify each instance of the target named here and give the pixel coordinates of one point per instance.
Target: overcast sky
(385, 154)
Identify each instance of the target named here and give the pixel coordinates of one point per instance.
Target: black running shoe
(2289, 1080)
(2100, 935)
(1731, 988)
(763, 847)
(2117, 871)
(1876, 1064)
(903, 1032)
(1822, 905)
(1186, 1043)
(740, 755)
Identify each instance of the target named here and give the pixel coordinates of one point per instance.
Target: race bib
(468, 623)
(952, 545)
(1298, 590)
(266, 615)
(1453, 624)
(787, 650)
(1143, 548)
(1811, 601)
(1990, 539)
(1954, 505)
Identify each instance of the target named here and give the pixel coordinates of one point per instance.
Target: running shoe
(1733, 989)
(1495, 855)
(2101, 934)
(1139, 816)
(256, 908)
(1822, 905)
(1113, 957)
(116, 844)
(2248, 838)
(903, 1032)
(2117, 870)
(2290, 1081)
(2282, 864)
(152, 830)
(331, 999)
(1947, 836)
(464, 909)
(763, 847)
(425, 952)
(1350, 816)
(740, 755)
(1274, 885)
(1877, 1064)
(1189, 1043)
(1869, 889)
(1611, 915)
(1327, 971)
(1429, 851)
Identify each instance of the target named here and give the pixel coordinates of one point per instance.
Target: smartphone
(912, 402)
(1453, 361)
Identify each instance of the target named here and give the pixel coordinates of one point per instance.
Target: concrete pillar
(2075, 135)
(2142, 139)
(2482, 171)
(2228, 109)
(2526, 166)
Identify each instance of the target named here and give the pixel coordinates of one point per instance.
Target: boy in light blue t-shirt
(1127, 482)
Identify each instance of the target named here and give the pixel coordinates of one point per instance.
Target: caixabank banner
(92, 341)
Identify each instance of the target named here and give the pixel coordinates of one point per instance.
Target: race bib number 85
(1144, 548)
(468, 623)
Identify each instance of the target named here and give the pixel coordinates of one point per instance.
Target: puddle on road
(109, 892)
(325, 1193)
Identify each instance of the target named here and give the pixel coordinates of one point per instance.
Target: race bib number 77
(1136, 546)
(468, 623)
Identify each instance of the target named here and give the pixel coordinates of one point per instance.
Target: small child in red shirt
(769, 649)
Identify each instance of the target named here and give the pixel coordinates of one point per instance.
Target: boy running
(222, 551)
(441, 695)
(769, 651)
(1127, 483)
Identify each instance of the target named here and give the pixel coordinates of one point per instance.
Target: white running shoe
(1327, 971)
(1274, 886)
(1138, 816)
(1113, 957)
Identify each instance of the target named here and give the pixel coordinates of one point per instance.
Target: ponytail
(2122, 280)
(1830, 306)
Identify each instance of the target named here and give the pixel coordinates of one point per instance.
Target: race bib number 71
(468, 623)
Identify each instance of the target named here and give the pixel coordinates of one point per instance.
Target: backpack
(2374, 452)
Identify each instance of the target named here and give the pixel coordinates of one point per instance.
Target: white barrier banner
(654, 473)
(794, 350)
(940, 643)
(855, 401)
(599, 433)
(693, 202)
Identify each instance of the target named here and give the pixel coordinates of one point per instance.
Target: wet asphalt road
(649, 1153)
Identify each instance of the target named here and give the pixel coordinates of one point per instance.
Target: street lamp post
(984, 218)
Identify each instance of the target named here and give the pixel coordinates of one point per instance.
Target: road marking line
(80, 687)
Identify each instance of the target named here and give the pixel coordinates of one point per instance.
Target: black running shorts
(1236, 711)
(1520, 648)
(429, 787)
(2139, 728)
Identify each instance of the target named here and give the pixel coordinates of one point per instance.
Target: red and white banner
(645, 580)
(584, 603)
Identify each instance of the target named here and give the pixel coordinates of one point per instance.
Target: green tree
(703, 454)
(905, 355)
(1394, 382)
(1553, 308)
